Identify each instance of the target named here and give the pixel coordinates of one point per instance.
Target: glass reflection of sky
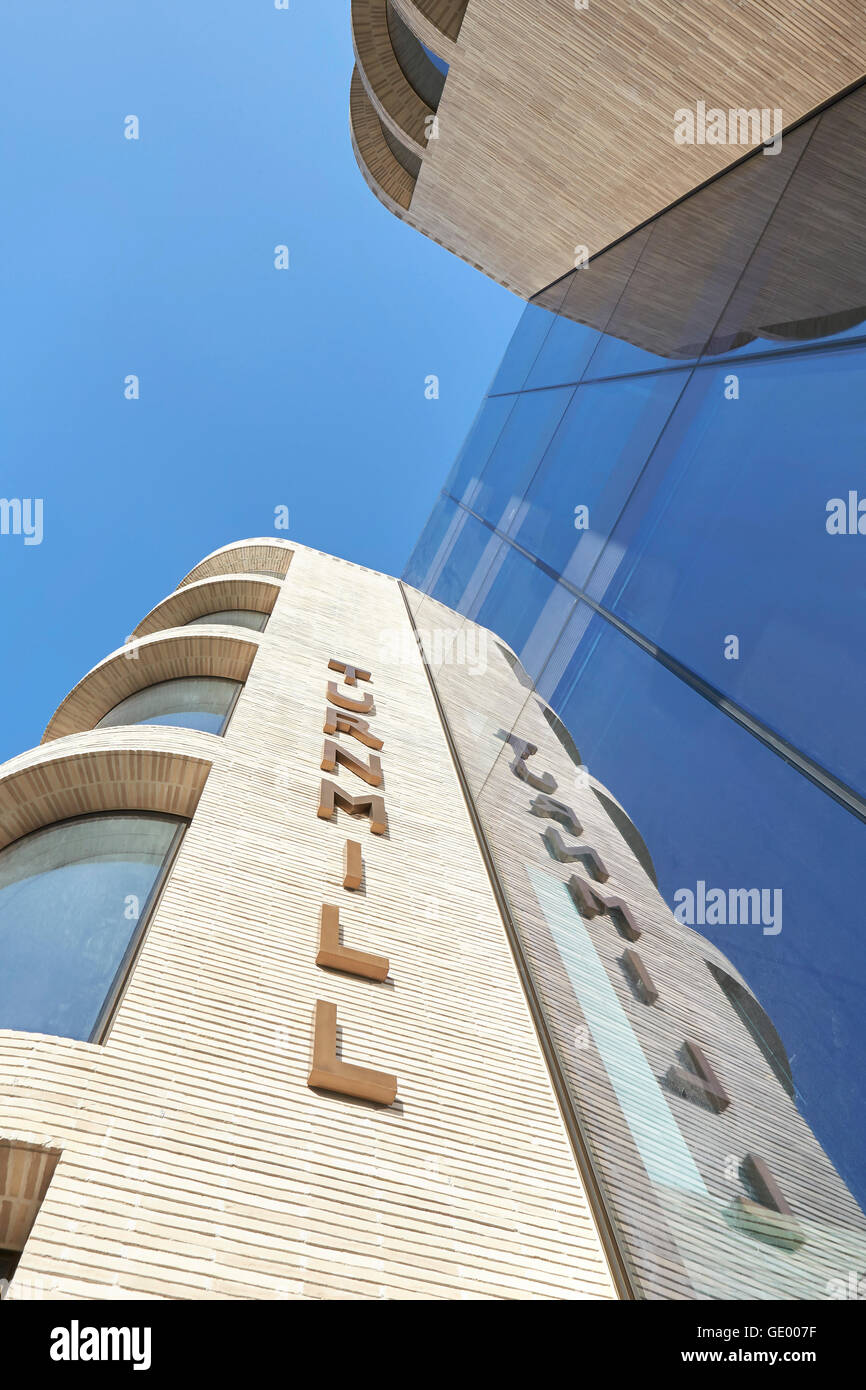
(435, 59)
(707, 480)
(714, 805)
(190, 702)
(71, 897)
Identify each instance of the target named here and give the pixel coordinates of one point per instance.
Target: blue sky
(258, 387)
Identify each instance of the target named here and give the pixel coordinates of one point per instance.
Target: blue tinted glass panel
(565, 354)
(519, 451)
(593, 462)
(592, 296)
(463, 575)
(691, 263)
(527, 608)
(789, 335)
(432, 545)
(462, 481)
(727, 537)
(71, 898)
(715, 806)
(616, 357)
(533, 328)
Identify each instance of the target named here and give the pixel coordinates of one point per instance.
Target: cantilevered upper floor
(527, 136)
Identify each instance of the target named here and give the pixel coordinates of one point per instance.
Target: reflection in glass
(433, 545)
(590, 467)
(462, 481)
(822, 208)
(233, 617)
(712, 365)
(527, 608)
(191, 702)
(517, 453)
(591, 296)
(725, 534)
(471, 563)
(715, 806)
(534, 324)
(72, 899)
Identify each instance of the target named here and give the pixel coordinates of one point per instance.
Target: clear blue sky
(155, 257)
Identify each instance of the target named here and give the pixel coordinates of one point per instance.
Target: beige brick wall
(556, 123)
(196, 1162)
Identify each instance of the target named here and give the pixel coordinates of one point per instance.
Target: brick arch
(396, 103)
(210, 596)
(160, 770)
(147, 661)
(262, 556)
(436, 22)
(387, 179)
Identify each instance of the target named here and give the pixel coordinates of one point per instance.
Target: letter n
(333, 753)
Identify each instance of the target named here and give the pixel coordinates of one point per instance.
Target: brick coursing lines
(203, 651)
(242, 558)
(210, 596)
(196, 1161)
(392, 184)
(542, 102)
(761, 1118)
(108, 770)
(394, 100)
(25, 1172)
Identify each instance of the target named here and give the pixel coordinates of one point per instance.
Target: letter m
(744, 127)
(115, 1344)
(744, 906)
(331, 796)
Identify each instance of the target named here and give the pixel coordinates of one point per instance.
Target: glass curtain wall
(661, 509)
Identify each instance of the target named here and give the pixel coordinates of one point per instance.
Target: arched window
(758, 1024)
(190, 702)
(234, 617)
(74, 900)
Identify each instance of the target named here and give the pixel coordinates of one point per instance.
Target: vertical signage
(344, 717)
